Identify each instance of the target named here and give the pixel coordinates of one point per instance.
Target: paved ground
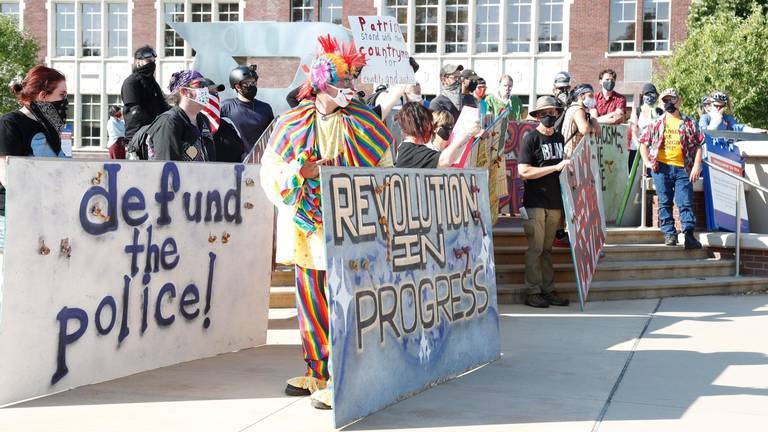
(701, 365)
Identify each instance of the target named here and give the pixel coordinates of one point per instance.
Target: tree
(702, 11)
(18, 54)
(726, 53)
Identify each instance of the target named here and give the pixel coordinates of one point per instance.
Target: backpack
(137, 148)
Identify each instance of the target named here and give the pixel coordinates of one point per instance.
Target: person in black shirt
(539, 164)
(415, 122)
(143, 100)
(250, 115)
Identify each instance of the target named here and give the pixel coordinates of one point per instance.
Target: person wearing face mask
(185, 132)
(577, 122)
(482, 104)
(450, 97)
(250, 115)
(469, 82)
(641, 118)
(116, 133)
(672, 147)
(540, 161)
(328, 127)
(34, 129)
(503, 98)
(562, 88)
(611, 105)
(143, 99)
(718, 116)
(442, 124)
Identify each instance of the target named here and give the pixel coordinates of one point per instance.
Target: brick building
(531, 40)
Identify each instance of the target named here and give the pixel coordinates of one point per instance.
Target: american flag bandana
(212, 110)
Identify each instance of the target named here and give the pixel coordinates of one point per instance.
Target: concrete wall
(756, 170)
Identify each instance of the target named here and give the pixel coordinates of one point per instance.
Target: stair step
(514, 236)
(646, 288)
(282, 297)
(283, 277)
(613, 252)
(624, 270)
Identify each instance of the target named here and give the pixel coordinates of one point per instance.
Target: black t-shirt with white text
(539, 150)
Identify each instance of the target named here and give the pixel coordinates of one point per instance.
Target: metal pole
(643, 205)
(739, 193)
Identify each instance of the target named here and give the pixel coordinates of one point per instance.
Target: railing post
(739, 193)
(643, 193)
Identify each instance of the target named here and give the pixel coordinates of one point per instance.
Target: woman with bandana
(328, 127)
(33, 130)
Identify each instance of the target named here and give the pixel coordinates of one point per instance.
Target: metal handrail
(254, 155)
(739, 178)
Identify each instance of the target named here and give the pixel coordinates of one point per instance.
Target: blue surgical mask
(650, 99)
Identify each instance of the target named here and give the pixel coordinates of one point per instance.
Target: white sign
(116, 268)
(723, 187)
(386, 53)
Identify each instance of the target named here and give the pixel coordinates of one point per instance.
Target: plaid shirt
(691, 139)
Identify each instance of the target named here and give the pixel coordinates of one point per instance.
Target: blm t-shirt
(539, 150)
(410, 155)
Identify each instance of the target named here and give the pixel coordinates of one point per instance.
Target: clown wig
(334, 62)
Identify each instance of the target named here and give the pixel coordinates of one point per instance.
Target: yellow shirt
(671, 153)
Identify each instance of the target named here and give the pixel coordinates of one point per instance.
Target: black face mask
(147, 70)
(670, 107)
(443, 133)
(472, 86)
(548, 121)
(249, 91)
(61, 106)
(609, 85)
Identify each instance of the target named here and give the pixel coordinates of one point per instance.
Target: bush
(18, 54)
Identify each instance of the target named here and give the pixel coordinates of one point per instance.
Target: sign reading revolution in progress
(386, 53)
(411, 282)
(121, 267)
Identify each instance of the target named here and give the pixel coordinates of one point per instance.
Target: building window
(487, 28)
(622, 32)
(456, 26)
(302, 10)
(201, 12)
(519, 26)
(174, 44)
(229, 12)
(117, 36)
(90, 120)
(425, 26)
(65, 29)
(399, 10)
(10, 9)
(90, 25)
(656, 25)
(550, 25)
(330, 11)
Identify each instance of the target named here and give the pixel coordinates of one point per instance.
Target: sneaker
(561, 240)
(537, 301)
(691, 242)
(555, 300)
(304, 386)
(322, 399)
(670, 240)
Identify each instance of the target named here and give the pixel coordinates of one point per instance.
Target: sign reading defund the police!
(411, 282)
(116, 268)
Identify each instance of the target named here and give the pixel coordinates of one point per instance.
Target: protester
(643, 117)
(562, 88)
(413, 94)
(706, 101)
(143, 99)
(183, 133)
(416, 124)
(34, 129)
(328, 127)
(469, 83)
(250, 116)
(450, 97)
(672, 148)
(577, 122)
(611, 105)
(540, 162)
(116, 133)
(503, 98)
(442, 124)
(480, 96)
(719, 116)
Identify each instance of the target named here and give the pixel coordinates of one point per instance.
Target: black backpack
(138, 145)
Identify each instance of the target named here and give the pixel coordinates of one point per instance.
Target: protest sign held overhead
(386, 53)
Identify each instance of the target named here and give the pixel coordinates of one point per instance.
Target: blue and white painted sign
(720, 189)
(411, 282)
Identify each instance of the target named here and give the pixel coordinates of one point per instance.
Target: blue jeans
(672, 183)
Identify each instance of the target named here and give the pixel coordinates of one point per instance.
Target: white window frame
(306, 11)
(333, 8)
(456, 43)
(96, 30)
(220, 13)
(520, 3)
(101, 122)
(549, 21)
(118, 31)
(438, 25)
(19, 14)
(73, 13)
(623, 19)
(655, 23)
(487, 18)
(392, 10)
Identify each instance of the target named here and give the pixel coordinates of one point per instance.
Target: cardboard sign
(720, 189)
(386, 53)
(116, 268)
(613, 158)
(516, 130)
(411, 282)
(580, 187)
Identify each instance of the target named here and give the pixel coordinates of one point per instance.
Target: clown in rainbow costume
(327, 128)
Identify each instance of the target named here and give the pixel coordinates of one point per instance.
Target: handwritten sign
(612, 157)
(411, 282)
(116, 268)
(580, 188)
(382, 42)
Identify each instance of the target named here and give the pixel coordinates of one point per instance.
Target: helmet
(242, 73)
(562, 79)
(719, 96)
(706, 100)
(144, 52)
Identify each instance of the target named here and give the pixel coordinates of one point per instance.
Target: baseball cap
(562, 79)
(450, 69)
(670, 92)
(469, 74)
(649, 88)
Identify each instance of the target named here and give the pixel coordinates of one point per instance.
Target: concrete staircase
(636, 265)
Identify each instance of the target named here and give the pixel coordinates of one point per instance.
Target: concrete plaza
(677, 364)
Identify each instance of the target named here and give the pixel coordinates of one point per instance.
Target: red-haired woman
(416, 125)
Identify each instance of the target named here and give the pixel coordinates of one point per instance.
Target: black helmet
(144, 52)
(242, 73)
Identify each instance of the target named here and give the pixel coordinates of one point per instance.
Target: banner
(720, 189)
(410, 279)
(612, 157)
(516, 130)
(386, 53)
(580, 187)
(116, 268)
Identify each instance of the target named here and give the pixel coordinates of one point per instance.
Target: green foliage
(726, 53)
(18, 54)
(702, 11)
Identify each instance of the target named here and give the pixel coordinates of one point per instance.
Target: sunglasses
(718, 106)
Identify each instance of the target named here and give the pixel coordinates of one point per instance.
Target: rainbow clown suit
(327, 126)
